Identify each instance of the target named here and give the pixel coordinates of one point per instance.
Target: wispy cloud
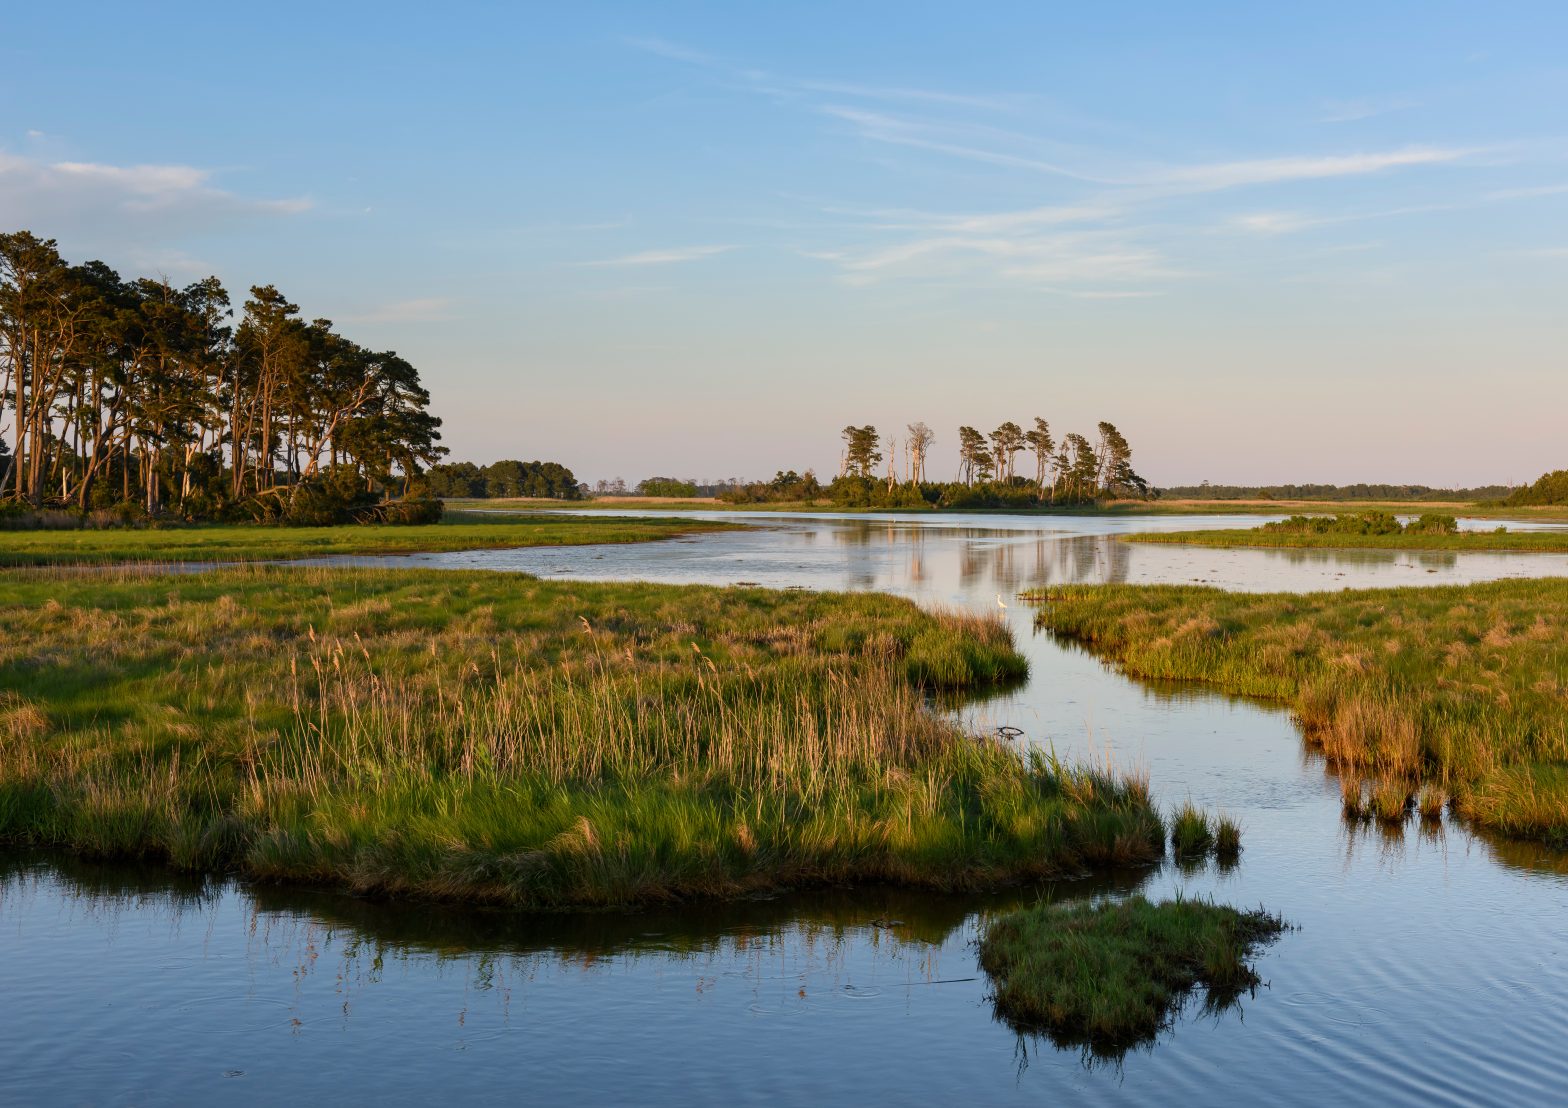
(1351, 111)
(774, 84)
(663, 257)
(1082, 257)
(954, 141)
(995, 103)
(1274, 223)
(427, 309)
(69, 195)
(1528, 193)
(664, 48)
(1269, 171)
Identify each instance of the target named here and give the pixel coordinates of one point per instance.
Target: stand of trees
(507, 478)
(1549, 488)
(666, 486)
(1076, 470)
(139, 394)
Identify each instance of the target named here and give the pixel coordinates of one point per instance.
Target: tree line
(878, 471)
(506, 478)
(139, 393)
(1387, 493)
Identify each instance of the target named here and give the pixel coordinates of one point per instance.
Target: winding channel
(1427, 965)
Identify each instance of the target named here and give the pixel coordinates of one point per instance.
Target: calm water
(1430, 965)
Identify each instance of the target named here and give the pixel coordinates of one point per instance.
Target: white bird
(999, 603)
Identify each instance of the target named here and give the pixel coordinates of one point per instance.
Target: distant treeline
(1414, 493)
(1549, 488)
(141, 397)
(507, 478)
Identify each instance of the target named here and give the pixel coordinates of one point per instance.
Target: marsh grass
(1413, 538)
(1464, 688)
(253, 543)
(1227, 840)
(498, 738)
(1192, 836)
(1110, 976)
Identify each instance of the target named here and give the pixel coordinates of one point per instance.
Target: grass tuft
(1109, 976)
(1227, 840)
(1192, 837)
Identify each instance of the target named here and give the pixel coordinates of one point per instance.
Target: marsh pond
(1427, 962)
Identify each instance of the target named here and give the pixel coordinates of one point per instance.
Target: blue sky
(1300, 244)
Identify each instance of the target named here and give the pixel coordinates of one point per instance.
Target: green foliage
(1362, 523)
(1110, 976)
(491, 737)
(787, 487)
(862, 450)
(506, 478)
(1549, 488)
(666, 486)
(135, 391)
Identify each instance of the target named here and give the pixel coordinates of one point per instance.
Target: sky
(1271, 243)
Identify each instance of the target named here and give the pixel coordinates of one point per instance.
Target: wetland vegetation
(487, 737)
(1371, 529)
(66, 545)
(1108, 976)
(1429, 693)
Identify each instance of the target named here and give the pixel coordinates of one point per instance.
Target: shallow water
(1426, 964)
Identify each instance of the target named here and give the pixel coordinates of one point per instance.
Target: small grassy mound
(1191, 835)
(1109, 976)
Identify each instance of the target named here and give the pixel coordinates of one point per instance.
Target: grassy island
(1367, 530)
(257, 542)
(497, 738)
(1461, 689)
(1109, 976)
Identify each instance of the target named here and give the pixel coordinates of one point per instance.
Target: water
(1426, 965)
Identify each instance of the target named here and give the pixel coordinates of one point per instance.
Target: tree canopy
(139, 392)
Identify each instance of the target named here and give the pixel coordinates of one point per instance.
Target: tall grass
(1463, 688)
(540, 744)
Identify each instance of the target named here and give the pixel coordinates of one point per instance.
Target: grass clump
(1192, 837)
(257, 542)
(1227, 840)
(1110, 976)
(1462, 687)
(497, 738)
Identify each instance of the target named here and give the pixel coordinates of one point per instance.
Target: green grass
(1110, 976)
(1191, 835)
(497, 738)
(1542, 542)
(1462, 687)
(249, 543)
